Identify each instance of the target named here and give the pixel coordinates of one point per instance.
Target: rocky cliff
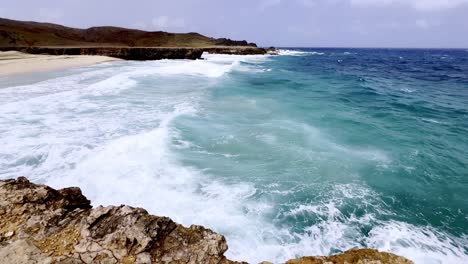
(41, 225)
(123, 43)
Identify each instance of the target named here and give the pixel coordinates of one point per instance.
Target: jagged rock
(354, 256)
(229, 42)
(41, 225)
(272, 51)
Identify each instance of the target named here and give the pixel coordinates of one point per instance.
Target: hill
(15, 33)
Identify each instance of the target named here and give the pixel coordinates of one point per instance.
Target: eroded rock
(41, 225)
(354, 256)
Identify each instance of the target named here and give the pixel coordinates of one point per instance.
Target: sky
(281, 23)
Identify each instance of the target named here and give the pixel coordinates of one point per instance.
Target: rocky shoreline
(139, 53)
(122, 43)
(41, 225)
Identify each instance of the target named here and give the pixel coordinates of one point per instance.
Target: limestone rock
(354, 256)
(41, 225)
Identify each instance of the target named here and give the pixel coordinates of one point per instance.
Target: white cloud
(45, 14)
(165, 22)
(417, 4)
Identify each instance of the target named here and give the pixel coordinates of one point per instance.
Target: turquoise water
(312, 152)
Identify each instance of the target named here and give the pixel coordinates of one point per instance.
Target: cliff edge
(41, 225)
(129, 44)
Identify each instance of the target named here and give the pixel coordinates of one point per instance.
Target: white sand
(14, 62)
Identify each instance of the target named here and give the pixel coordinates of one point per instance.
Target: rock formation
(354, 256)
(123, 43)
(41, 225)
(117, 52)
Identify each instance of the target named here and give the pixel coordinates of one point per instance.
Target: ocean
(311, 152)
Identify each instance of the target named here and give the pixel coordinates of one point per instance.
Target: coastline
(16, 63)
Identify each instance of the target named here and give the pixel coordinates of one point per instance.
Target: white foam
(420, 244)
(430, 120)
(298, 53)
(213, 66)
(193, 68)
(407, 90)
(226, 58)
(339, 232)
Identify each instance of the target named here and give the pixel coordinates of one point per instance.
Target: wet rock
(354, 256)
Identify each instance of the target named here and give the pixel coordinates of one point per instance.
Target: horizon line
(364, 47)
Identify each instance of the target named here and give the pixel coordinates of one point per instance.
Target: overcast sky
(300, 23)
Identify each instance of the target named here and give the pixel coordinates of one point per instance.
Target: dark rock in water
(41, 225)
(229, 42)
(272, 51)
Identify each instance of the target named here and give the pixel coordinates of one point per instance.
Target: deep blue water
(311, 152)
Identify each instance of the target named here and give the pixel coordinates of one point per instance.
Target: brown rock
(41, 225)
(354, 256)
(60, 226)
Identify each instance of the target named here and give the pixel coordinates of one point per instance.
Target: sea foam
(113, 131)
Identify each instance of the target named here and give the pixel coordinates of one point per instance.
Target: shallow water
(312, 152)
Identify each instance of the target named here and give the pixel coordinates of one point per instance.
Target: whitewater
(286, 156)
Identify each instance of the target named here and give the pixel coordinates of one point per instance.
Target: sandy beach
(14, 62)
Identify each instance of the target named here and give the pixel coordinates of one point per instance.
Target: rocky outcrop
(41, 225)
(354, 256)
(131, 53)
(117, 52)
(229, 42)
(236, 50)
(272, 51)
(123, 43)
